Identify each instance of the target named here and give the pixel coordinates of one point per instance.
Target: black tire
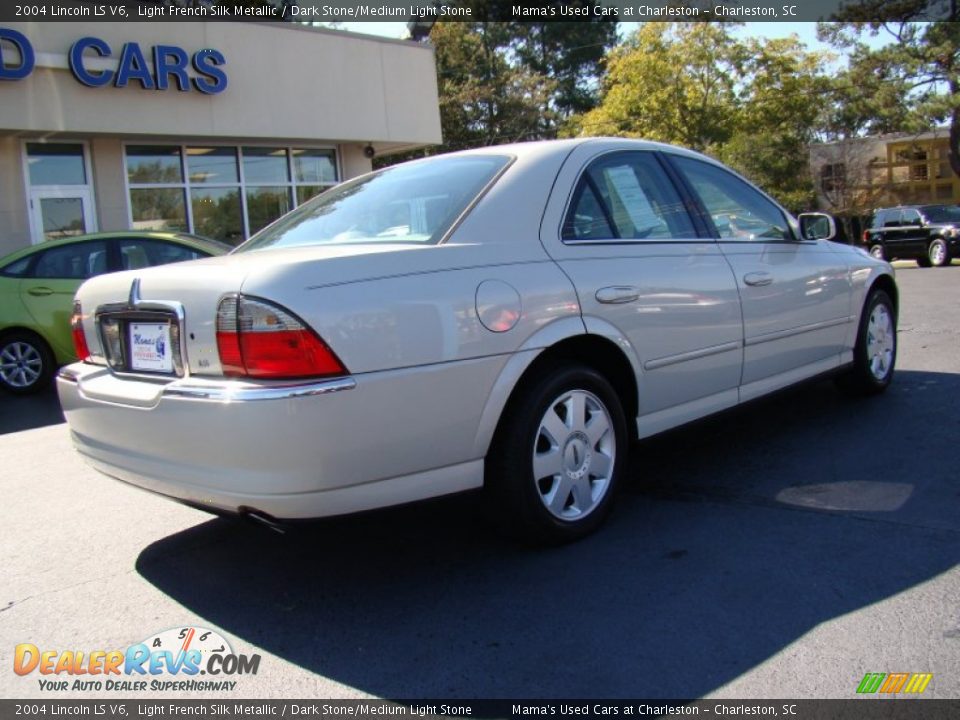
(938, 253)
(868, 375)
(924, 262)
(516, 500)
(26, 363)
(876, 251)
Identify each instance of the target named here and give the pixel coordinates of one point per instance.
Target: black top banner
(330, 11)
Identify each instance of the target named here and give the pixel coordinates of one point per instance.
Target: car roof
(194, 241)
(918, 206)
(540, 148)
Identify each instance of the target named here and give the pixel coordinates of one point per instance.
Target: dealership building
(215, 128)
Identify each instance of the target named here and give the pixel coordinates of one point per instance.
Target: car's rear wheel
(26, 363)
(877, 252)
(938, 253)
(875, 353)
(558, 457)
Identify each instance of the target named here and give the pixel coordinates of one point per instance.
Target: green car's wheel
(26, 363)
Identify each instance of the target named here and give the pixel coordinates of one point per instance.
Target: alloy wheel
(880, 342)
(21, 364)
(574, 455)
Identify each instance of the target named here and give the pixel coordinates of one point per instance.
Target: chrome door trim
(780, 334)
(657, 363)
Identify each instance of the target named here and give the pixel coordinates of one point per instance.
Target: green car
(37, 285)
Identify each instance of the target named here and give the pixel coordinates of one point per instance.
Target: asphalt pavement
(781, 550)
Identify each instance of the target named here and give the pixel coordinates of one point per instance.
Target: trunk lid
(198, 287)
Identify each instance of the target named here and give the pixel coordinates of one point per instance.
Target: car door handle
(617, 294)
(40, 291)
(758, 279)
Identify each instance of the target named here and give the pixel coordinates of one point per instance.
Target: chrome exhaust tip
(262, 518)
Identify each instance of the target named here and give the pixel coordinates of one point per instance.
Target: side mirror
(817, 226)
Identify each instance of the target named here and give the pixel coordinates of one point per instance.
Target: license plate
(150, 347)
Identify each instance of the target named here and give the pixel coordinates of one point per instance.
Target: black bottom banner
(854, 709)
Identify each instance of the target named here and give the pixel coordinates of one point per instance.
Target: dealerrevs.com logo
(173, 660)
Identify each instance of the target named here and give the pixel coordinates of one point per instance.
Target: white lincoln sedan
(507, 318)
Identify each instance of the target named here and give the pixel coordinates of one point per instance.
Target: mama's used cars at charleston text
(508, 318)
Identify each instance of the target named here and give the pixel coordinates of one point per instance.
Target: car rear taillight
(258, 339)
(76, 330)
(866, 236)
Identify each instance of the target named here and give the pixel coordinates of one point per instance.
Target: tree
(753, 104)
(673, 82)
(569, 53)
(563, 40)
(501, 82)
(484, 99)
(778, 110)
(913, 83)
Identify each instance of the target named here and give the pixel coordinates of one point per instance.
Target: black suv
(929, 234)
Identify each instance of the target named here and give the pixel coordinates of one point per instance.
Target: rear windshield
(942, 213)
(411, 203)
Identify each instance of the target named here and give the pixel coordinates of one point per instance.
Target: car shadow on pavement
(709, 567)
(25, 412)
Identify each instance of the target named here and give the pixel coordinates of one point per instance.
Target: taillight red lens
(228, 340)
(258, 339)
(76, 330)
(866, 235)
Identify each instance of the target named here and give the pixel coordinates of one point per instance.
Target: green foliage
(485, 99)
(502, 82)
(752, 104)
(911, 84)
(569, 54)
(778, 110)
(673, 82)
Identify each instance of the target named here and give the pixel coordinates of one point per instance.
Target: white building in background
(857, 175)
(213, 128)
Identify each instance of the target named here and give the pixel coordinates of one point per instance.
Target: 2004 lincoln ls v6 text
(506, 318)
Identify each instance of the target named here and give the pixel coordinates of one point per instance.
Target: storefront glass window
(217, 214)
(62, 217)
(202, 189)
(212, 166)
(158, 209)
(314, 166)
(266, 204)
(265, 166)
(305, 192)
(153, 164)
(56, 164)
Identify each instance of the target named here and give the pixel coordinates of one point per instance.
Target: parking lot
(782, 550)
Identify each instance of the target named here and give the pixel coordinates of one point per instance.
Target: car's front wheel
(875, 353)
(26, 363)
(558, 457)
(938, 253)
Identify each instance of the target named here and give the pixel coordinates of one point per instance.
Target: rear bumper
(288, 450)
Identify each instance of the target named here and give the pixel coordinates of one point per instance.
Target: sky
(806, 31)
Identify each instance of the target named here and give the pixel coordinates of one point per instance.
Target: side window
(891, 218)
(136, 253)
(18, 268)
(738, 210)
(587, 219)
(78, 261)
(627, 196)
(910, 218)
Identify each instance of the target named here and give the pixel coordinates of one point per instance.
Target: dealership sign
(170, 64)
